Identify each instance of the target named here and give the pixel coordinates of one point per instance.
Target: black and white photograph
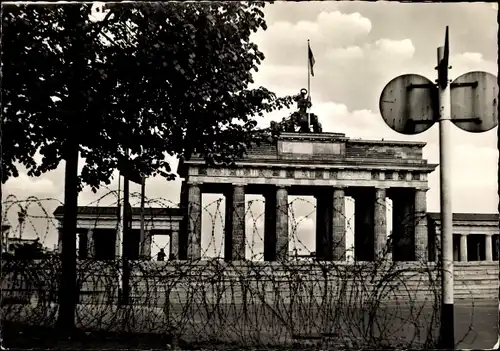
(249, 175)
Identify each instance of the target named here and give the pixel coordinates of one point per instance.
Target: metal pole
(497, 244)
(142, 235)
(119, 231)
(447, 333)
(308, 86)
(126, 235)
(119, 239)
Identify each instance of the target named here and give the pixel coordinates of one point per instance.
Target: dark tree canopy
(155, 79)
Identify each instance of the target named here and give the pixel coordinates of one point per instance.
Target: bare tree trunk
(68, 293)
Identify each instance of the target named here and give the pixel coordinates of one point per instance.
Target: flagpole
(308, 87)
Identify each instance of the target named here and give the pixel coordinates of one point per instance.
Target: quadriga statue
(299, 121)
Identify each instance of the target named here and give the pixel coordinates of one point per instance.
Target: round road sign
(408, 104)
(474, 102)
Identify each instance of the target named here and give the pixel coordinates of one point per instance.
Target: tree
(157, 79)
(149, 78)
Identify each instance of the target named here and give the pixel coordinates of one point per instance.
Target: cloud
(348, 53)
(471, 61)
(470, 57)
(371, 57)
(371, 64)
(282, 41)
(40, 187)
(338, 27)
(293, 11)
(403, 49)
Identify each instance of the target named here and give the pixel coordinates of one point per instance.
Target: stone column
(118, 243)
(421, 235)
(339, 225)
(234, 236)
(463, 248)
(183, 237)
(270, 225)
(380, 223)
(488, 247)
(174, 245)
(194, 222)
(228, 224)
(90, 244)
(363, 224)
(324, 217)
(282, 224)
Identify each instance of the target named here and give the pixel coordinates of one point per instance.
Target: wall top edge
(343, 137)
(388, 142)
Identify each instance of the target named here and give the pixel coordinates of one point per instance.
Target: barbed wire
(302, 301)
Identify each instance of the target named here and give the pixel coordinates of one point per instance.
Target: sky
(358, 48)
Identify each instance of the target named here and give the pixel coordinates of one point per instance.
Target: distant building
(97, 229)
(475, 236)
(12, 244)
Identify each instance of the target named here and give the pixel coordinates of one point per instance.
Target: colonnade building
(328, 166)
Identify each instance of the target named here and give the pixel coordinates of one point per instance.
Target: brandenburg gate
(328, 166)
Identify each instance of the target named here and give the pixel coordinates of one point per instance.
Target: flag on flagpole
(312, 61)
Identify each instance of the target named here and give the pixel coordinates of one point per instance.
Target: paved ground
(484, 317)
(475, 328)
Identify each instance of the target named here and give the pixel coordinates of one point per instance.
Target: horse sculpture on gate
(299, 121)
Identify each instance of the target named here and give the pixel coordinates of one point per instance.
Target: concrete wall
(217, 282)
(260, 282)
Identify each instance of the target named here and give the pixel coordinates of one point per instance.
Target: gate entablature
(326, 159)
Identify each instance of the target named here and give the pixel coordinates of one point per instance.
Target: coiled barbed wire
(301, 301)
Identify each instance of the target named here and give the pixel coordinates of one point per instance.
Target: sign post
(411, 104)
(447, 332)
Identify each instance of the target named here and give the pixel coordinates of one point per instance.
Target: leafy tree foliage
(149, 79)
(153, 79)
